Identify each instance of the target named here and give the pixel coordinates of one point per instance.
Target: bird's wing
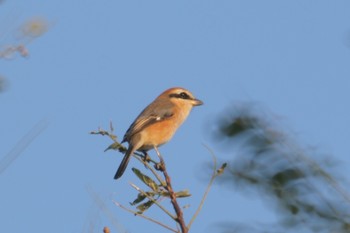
(149, 116)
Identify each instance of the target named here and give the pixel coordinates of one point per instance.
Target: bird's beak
(196, 102)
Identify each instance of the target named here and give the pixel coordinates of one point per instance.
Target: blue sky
(105, 61)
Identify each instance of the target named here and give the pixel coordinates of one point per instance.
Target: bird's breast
(158, 133)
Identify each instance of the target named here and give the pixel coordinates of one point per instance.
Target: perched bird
(157, 123)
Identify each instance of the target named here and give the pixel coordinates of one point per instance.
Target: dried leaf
(221, 169)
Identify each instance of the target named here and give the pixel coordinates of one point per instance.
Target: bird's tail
(124, 162)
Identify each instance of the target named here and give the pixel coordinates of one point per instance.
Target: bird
(157, 123)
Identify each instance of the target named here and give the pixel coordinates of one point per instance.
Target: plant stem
(172, 194)
(207, 189)
(144, 216)
(153, 200)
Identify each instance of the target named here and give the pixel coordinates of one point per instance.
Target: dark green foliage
(146, 179)
(303, 190)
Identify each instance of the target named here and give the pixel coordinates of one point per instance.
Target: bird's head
(181, 96)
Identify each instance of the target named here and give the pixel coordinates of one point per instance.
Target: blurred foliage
(13, 42)
(303, 189)
(34, 27)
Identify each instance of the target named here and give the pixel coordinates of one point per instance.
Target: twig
(152, 170)
(327, 177)
(119, 146)
(207, 189)
(103, 207)
(143, 216)
(153, 200)
(172, 194)
(22, 144)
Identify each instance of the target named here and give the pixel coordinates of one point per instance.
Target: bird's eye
(184, 95)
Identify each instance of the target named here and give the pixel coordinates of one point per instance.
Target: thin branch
(214, 175)
(144, 216)
(153, 200)
(117, 145)
(327, 177)
(152, 170)
(22, 144)
(300, 155)
(103, 207)
(172, 194)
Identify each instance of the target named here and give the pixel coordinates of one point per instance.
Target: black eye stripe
(182, 95)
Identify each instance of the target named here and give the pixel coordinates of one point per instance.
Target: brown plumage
(157, 123)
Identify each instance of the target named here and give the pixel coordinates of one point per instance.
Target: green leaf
(180, 194)
(114, 146)
(146, 179)
(140, 197)
(184, 193)
(144, 206)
